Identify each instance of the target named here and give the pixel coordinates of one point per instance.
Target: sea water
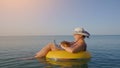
(105, 51)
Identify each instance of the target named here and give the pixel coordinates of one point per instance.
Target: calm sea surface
(105, 50)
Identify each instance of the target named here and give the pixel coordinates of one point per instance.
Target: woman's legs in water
(46, 49)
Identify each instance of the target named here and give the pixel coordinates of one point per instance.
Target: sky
(59, 17)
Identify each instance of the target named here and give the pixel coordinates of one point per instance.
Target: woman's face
(77, 36)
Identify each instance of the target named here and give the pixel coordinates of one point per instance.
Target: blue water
(105, 50)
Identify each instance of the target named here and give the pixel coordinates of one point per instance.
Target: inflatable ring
(61, 54)
(68, 62)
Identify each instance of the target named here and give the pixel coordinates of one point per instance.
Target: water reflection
(50, 63)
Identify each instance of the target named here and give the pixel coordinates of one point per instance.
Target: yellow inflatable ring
(61, 54)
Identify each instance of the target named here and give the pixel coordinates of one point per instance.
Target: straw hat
(81, 31)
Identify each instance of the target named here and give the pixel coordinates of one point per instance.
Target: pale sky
(59, 17)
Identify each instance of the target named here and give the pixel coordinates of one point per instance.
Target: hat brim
(85, 34)
(81, 33)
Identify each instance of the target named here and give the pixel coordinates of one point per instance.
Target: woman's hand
(62, 46)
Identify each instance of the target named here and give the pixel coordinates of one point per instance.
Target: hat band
(79, 32)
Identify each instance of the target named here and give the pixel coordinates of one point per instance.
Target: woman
(78, 45)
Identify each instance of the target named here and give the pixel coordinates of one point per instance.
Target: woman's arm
(74, 49)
